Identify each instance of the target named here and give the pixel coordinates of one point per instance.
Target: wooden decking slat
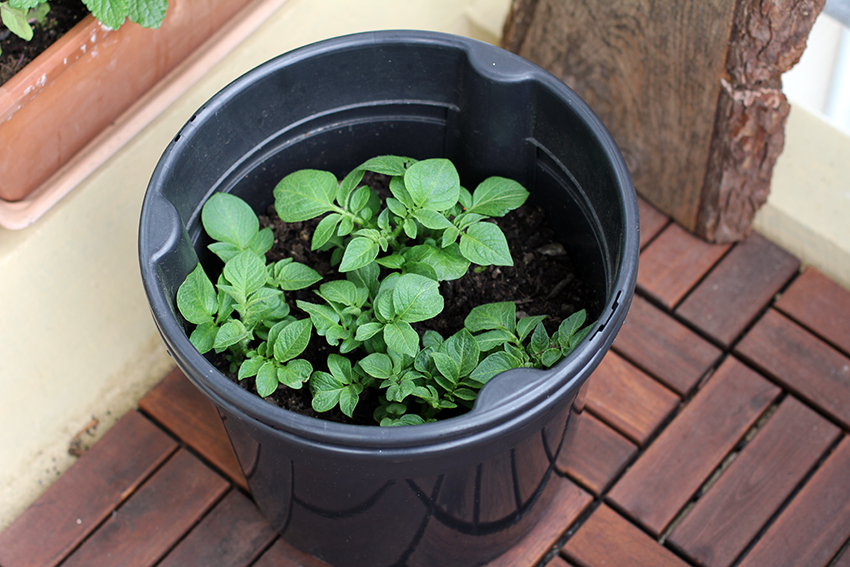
(627, 399)
(844, 560)
(568, 504)
(153, 519)
(86, 494)
(651, 221)
(816, 523)
(801, 362)
(735, 509)
(738, 288)
(671, 470)
(233, 534)
(674, 262)
(558, 562)
(606, 538)
(665, 348)
(820, 305)
(282, 554)
(593, 453)
(182, 409)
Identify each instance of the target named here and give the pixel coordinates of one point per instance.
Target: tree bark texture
(691, 92)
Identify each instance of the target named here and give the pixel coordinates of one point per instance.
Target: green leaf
(326, 391)
(421, 269)
(396, 207)
(463, 348)
(465, 394)
(367, 331)
(250, 367)
(539, 340)
(294, 373)
(266, 380)
(225, 250)
(262, 241)
(39, 11)
(203, 337)
(359, 199)
(378, 365)
(393, 261)
(431, 338)
(578, 337)
(346, 225)
(416, 298)
(525, 325)
(148, 13)
(341, 291)
(340, 367)
(569, 327)
(358, 253)
(196, 297)
(16, 20)
(397, 391)
(492, 316)
(347, 185)
(497, 196)
(550, 357)
(489, 340)
(305, 194)
(432, 219)
(246, 272)
(493, 365)
(410, 228)
(322, 316)
(433, 184)
(401, 338)
(448, 367)
(367, 278)
(448, 263)
(465, 198)
(388, 165)
(484, 243)
(230, 333)
(348, 399)
(25, 3)
(227, 218)
(295, 275)
(399, 191)
(292, 340)
(325, 230)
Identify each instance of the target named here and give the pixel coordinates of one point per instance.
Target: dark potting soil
(542, 281)
(16, 52)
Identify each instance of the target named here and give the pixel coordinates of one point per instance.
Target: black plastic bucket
(456, 492)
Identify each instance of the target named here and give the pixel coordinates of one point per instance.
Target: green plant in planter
(391, 257)
(19, 15)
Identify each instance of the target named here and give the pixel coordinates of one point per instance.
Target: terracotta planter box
(83, 82)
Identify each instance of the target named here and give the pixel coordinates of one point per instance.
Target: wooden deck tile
(595, 453)
(140, 532)
(821, 306)
(233, 534)
(182, 409)
(606, 538)
(735, 509)
(558, 562)
(816, 523)
(677, 463)
(627, 399)
(739, 288)
(283, 554)
(665, 348)
(844, 560)
(568, 504)
(674, 262)
(801, 362)
(86, 494)
(651, 221)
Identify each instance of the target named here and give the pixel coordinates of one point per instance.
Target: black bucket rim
(548, 388)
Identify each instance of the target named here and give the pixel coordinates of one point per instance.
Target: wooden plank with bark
(86, 494)
(691, 92)
(680, 460)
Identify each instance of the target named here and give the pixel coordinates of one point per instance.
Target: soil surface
(542, 281)
(16, 52)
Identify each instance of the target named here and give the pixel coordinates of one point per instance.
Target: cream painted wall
(77, 341)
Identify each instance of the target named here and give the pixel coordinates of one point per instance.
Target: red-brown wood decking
(716, 434)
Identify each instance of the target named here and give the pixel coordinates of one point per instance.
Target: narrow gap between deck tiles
(125, 496)
(200, 519)
(679, 319)
(570, 532)
(718, 472)
(657, 234)
(263, 551)
(704, 276)
(842, 551)
(815, 468)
